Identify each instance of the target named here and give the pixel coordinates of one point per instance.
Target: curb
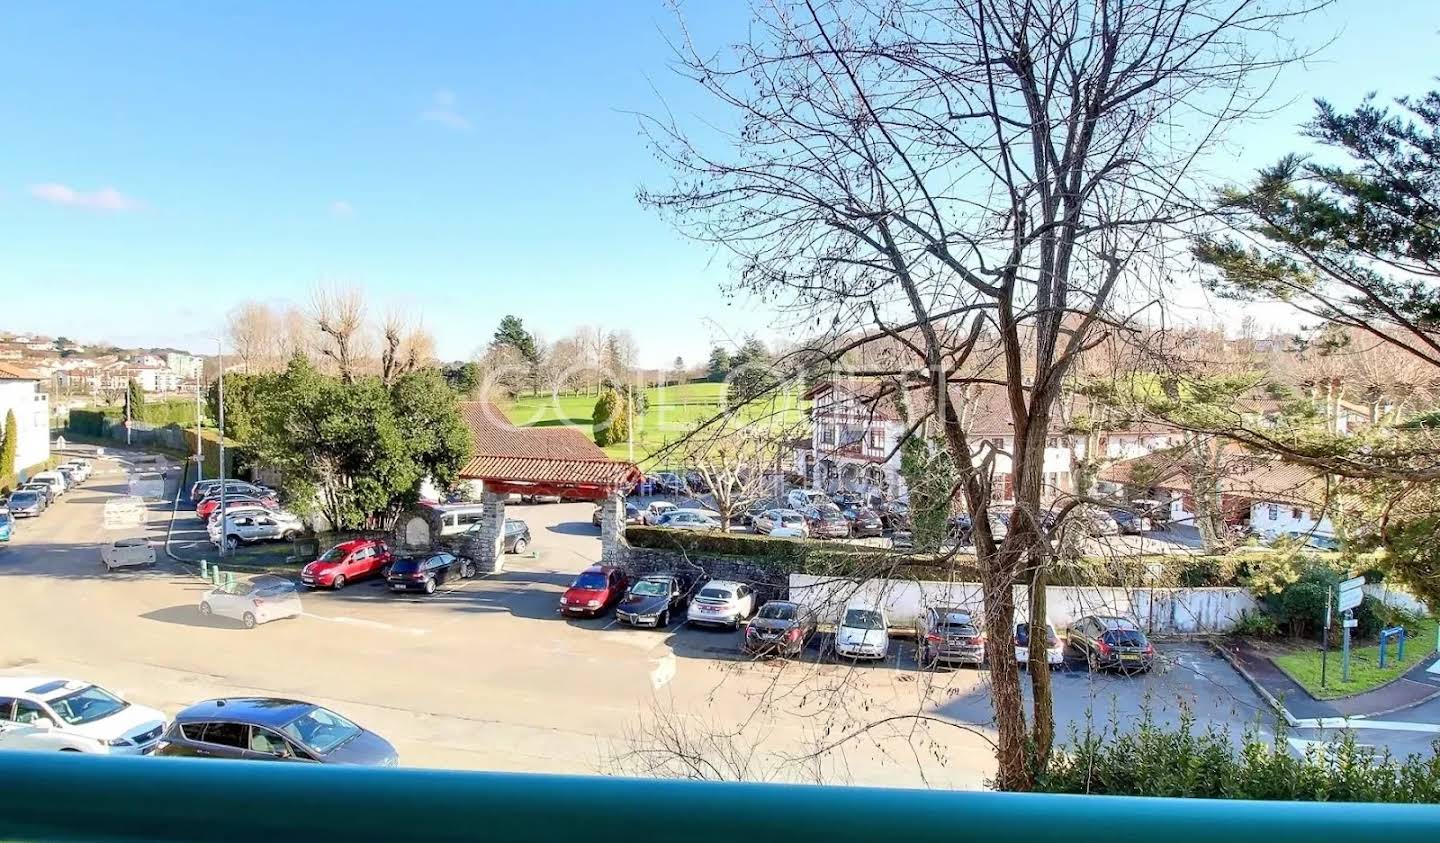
(1270, 698)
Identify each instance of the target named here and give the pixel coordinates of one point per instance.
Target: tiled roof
(492, 434)
(600, 472)
(11, 372)
(1241, 474)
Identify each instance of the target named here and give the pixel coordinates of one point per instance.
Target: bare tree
(404, 347)
(741, 464)
(339, 314)
(251, 331)
(992, 180)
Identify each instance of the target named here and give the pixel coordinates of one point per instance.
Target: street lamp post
(220, 357)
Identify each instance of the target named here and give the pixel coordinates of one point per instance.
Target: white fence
(1399, 598)
(1156, 610)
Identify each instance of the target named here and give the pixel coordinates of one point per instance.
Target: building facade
(20, 394)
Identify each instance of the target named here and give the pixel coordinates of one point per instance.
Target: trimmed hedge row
(179, 411)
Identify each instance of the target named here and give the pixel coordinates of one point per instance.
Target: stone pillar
(488, 546)
(612, 528)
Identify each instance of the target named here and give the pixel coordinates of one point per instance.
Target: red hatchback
(209, 506)
(594, 592)
(347, 562)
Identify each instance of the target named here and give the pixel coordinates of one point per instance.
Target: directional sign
(1351, 593)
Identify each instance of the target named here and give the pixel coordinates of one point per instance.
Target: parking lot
(485, 675)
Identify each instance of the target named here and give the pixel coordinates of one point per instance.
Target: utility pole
(220, 357)
(199, 442)
(630, 420)
(1325, 635)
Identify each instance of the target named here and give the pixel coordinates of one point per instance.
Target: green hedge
(178, 411)
(87, 422)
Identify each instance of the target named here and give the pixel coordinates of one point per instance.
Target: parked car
(81, 467)
(999, 522)
(1111, 642)
(7, 524)
(54, 479)
(595, 591)
(252, 602)
(656, 510)
(209, 505)
(669, 483)
(961, 530)
(1129, 523)
(1054, 649)
(261, 526)
(269, 729)
(847, 500)
(779, 628)
(782, 522)
(721, 603)
(45, 490)
(633, 516)
(652, 600)
(827, 522)
(135, 552)
(71, 475)
(896, 515)
(202, 489)
(427, 572)
(950, 635)
(862, 632)
(45, 713)
(864, 522)
(748, 516)
(695, 483)
(348, 562)
(689, 519)
(1318, 541)
(25, 504)
(230, 512)
(517, 535)
(1157, 511)
(1094, 521)
(803, 499)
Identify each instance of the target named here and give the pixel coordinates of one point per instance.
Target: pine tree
(8, 446)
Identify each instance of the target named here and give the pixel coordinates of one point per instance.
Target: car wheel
(430, 586)
(339, 582)
(385, 570)
(248, 619)
(205, 609)
(68, 749)
(520, 545)
(289, 535)
(467, 569)
(232, 542)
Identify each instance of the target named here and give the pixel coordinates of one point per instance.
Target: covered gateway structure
(559, 461)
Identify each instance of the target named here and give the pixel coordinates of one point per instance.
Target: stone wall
(639, 561)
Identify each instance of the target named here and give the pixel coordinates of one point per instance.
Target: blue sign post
(1398, 633)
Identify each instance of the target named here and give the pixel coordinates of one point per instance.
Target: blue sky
(165, 160)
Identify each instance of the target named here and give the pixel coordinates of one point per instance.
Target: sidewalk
(1300, 709)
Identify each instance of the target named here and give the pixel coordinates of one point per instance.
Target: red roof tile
(548, 470)
(492, 434)
(11, 372)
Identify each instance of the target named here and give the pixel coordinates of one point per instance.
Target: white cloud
(341, 208)
(104, 199)
(444, 110)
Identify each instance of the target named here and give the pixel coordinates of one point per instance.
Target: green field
(1365, 671)
(673, 411)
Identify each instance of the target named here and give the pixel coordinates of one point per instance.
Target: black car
(653, 600)
(779, 628)
(961, 530)
(266, 729)
(517, 535)
(847, 500)
(864, 521)
(427, 572)
(896, 515)
(632, 515)
(695, 483)
(1110, 642)
(668, 483)
(1129, 523)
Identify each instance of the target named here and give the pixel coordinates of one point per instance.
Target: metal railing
(68, 797)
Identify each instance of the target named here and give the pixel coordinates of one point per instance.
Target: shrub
(1256, 625)
(1152, 760)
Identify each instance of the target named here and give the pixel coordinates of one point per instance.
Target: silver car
(268, 525)
(785, 520)
(260, 600)
(689, 519)
(722, 603)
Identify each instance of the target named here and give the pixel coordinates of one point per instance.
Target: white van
(458, 518)
(54, 479)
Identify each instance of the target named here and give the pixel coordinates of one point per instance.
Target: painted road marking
(663, 672)
(366, 622)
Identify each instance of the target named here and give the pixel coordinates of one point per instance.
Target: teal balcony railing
(68, 797)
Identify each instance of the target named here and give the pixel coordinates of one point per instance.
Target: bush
(1256, 625)
(1152, 760)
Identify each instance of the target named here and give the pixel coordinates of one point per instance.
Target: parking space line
(366, 622)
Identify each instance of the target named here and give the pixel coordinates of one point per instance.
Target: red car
(347, 562)
(594, 592)
(207, 507)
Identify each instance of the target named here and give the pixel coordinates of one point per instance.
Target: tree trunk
(1042, 712)
(999, 582)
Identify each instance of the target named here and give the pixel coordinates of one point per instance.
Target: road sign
(1351, 593)
(1351, 623)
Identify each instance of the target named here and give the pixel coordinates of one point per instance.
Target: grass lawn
(1365, 671)
(672, 411)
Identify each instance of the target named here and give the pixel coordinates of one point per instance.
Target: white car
(256, 526)
(656, 510)
(54, 479)
(134, 552)
(689, 519)
(46, 713)
(252, 602)
(81, 468)
(863, 632)
(1054, 647)
(722, 603)
(782, 523)
(803, 499)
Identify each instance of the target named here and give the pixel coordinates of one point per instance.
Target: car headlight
(592, 604)
(118, 742)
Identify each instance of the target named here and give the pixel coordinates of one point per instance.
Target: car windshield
(334, 554)
(1125, 638)
(23, 498)
(863, 619)
(717, 593)
(87, 705)
(1022, 635)
(778, 612)
(591, 580)
(321, 730)
(792, 520)
(650, 588)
